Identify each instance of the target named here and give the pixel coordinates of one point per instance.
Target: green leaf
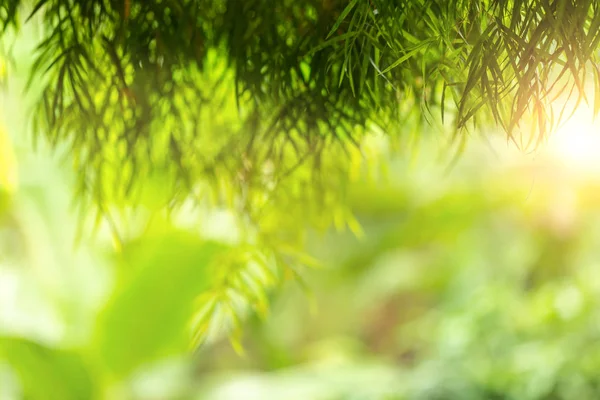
(409, 54)
(342, 17)
(46, 373)
(332, 41)
(147, 318)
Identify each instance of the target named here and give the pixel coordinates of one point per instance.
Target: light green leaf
(45, 373)
(147, 317)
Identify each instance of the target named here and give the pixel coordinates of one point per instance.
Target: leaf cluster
(205, 88)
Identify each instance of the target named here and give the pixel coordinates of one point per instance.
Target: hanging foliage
(245, 92)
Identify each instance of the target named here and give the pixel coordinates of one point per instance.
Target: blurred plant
(485, 287)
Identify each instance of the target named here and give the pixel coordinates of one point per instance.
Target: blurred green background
(474, 282)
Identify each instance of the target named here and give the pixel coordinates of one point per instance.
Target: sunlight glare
(576, 144)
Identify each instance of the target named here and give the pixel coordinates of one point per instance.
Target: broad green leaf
(46, 373)
(148, 315)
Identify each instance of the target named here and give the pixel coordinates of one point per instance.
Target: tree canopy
(123, 80)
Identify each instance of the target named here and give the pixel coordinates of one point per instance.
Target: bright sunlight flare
(576, 144)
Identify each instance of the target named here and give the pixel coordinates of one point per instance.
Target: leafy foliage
(125, 80)
(280, 115)
(482, 287)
